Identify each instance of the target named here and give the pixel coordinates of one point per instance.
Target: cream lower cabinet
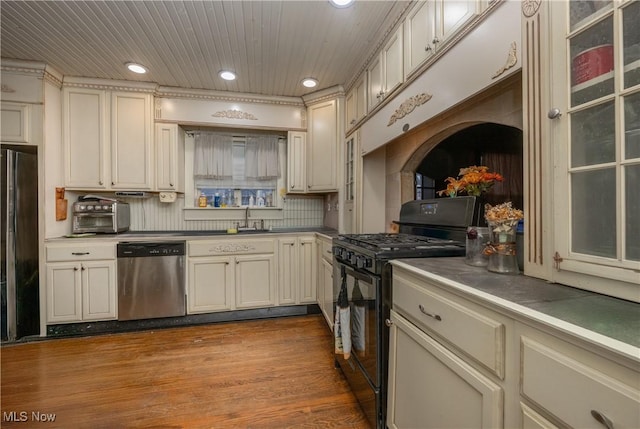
(230, 274)
(431, 387)
(564, 385)
(80, 283)
(297, 270)
(325, 280)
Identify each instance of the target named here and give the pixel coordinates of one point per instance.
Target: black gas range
(427, 229)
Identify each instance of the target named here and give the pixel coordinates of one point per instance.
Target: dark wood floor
(274, 373)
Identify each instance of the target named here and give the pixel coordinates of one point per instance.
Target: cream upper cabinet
(419, 27)
(108, 139)
(430, 24)
(86, 138)
(322, 147)
(386, 72)
(15, 122)
(297, 162)
(169, 157)
(356, 103)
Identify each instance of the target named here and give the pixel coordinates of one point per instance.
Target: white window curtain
(261, 157)
(213, 156)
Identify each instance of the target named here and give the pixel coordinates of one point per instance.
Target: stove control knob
(337, 251)
(353, 258)
(363, 262)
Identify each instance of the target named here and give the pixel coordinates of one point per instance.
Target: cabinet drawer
(229, 247)
(80, 252)
(560, 381)
(460, 323)
(325, 248)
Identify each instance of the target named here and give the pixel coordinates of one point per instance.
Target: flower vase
(501, 248)
(477, 239)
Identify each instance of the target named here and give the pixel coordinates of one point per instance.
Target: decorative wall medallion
(530, 7)
(408, 106)
(227, 248)
(234, 114)
(512, 59)
(6, 88)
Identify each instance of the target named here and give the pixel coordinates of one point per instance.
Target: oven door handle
(356, 274)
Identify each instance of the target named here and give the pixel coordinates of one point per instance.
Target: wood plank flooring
(271, 373)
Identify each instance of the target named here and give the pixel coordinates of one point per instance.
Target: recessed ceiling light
(227, 75)
(309, 82)
(136, 68)
(341, 3)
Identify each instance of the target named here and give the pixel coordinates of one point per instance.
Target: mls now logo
(23, 416)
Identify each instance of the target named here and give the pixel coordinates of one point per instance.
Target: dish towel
(358, 320)
(342, 325)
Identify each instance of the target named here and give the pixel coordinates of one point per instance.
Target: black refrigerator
(20, 285)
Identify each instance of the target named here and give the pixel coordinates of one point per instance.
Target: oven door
(365, 309)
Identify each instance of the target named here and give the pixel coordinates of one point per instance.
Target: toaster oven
(100, 216)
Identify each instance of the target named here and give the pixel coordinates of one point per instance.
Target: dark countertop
(199, 234)
(584, 312)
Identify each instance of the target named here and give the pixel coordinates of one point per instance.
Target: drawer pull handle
(601, 418)
(80, 253)
(435, 316)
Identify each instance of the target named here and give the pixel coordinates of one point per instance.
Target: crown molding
(110, 84)
(323, 95)
(235, 97)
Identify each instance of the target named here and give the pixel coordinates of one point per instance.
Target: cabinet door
(361, 98)
(98, 290)
(131, 135)
(64, 292)
(327, 292)
(255, 281)
(350, 108)
(307, 270)
(430, 387)
(451, 15)
(323, 147)
(85, 136)
(296, 162)
(169, 158)
(288, 270)
(211, 284)
(15, 122)
(374, 86)
(392, 56)
(419, 34)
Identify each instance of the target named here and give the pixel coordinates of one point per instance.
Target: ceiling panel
(271, 45)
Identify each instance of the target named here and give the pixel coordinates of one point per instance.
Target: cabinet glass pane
(593, 211)
(631, 36)
(632, 126)
(593, 135)
(632, 205)
(582, 10)
(592, 62)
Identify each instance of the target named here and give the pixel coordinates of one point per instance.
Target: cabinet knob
(423, 311)
(75, 268)
(100, 183)
(427, 48)
(171, 184)
(436, 41)
(113, 183)
(554, 113)
(601, 418)
(388, 322)
(83, 268)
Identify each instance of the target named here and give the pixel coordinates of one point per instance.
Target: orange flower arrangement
(473, 180)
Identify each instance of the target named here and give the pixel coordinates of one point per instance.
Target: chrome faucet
(246, 217)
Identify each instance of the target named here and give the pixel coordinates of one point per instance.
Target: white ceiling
(271, 45)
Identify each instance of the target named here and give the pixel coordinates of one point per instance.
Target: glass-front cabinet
(595, 123)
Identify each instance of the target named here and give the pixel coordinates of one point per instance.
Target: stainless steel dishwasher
(151, 280)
